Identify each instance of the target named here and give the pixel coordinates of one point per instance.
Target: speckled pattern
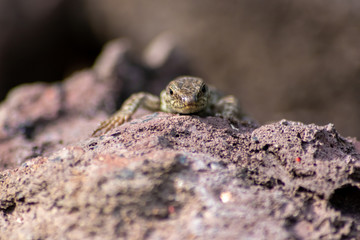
(179, 177)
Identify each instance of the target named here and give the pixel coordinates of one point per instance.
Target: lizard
(183, 95)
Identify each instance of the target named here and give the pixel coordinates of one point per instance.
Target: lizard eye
(171, 91)
(203, 89)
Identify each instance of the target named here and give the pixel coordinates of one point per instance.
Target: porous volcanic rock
(179, 177)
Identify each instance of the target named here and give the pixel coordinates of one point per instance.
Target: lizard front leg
(135, 101)
(228, 107)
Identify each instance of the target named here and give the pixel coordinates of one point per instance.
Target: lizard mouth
(189, 108)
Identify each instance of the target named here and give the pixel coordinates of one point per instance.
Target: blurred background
(298, 60)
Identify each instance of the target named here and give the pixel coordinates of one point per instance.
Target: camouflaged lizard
(184, 95)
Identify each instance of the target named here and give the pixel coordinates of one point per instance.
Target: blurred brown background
(282, 59)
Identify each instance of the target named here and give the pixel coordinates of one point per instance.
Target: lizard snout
(189, 100)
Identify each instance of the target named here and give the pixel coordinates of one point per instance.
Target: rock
(154, 177)
(28, 105)
(35, 118)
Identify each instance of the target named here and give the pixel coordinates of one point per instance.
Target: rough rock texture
(180, 177)
(165, 176)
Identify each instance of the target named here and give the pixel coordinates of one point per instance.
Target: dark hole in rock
(303, 191)
(355, 175)
(290, 221)
(271, 183)
(266, 147)
(27, 130)
(346, 199)
(11, 207)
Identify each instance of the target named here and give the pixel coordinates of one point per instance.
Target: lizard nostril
(189, 100)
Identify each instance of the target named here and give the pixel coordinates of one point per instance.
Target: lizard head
(185, 95)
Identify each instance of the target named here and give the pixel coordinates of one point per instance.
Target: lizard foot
(110, 123)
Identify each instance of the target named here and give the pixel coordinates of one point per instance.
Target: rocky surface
(165, 176)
